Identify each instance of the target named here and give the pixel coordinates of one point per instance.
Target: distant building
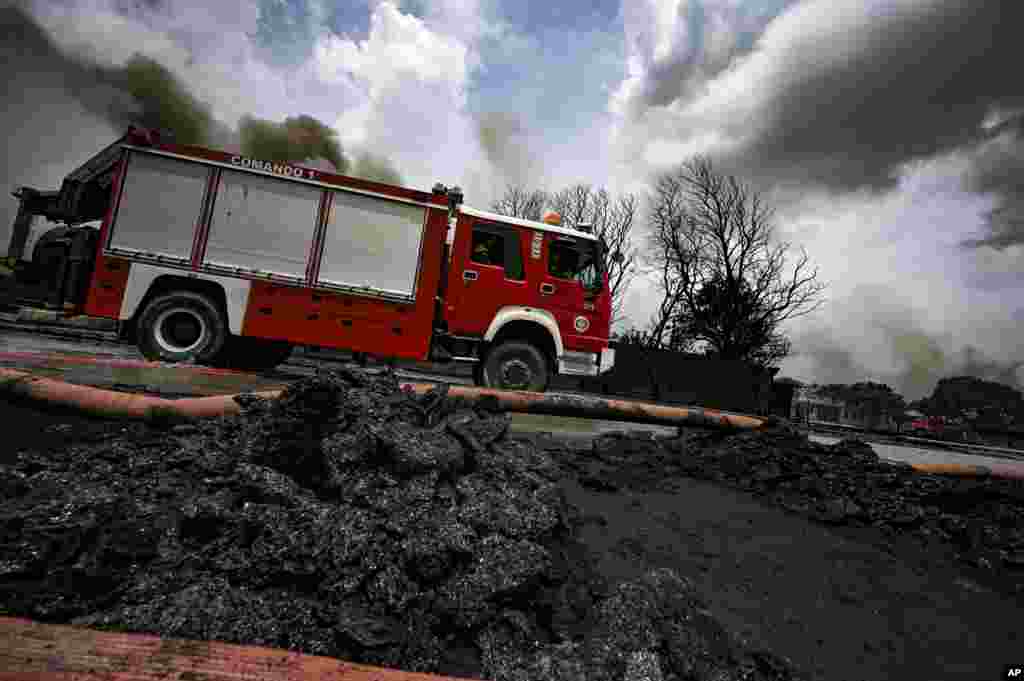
(865, 415)
(813, 404)
(810, 405)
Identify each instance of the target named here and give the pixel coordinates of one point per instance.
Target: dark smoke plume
(922, 359)
(294, 140)
(998, 169)
(377, 168)
(162, 101)
(972, 362)
(883, 319)
(846, 107)
(502, 137)
(142, 91)
(146, 93)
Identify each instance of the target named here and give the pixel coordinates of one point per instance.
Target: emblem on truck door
(582, 324)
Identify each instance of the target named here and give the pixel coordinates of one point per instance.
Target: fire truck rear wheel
(182, 326)
(515, 365)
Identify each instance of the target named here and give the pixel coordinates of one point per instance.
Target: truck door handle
(470, 275)
(547, 289)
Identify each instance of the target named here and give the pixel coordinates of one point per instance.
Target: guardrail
(898, 439)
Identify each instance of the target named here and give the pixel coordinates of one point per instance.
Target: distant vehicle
(930, 425)
(215, 258)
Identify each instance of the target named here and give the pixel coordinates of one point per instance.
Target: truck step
(33, 315)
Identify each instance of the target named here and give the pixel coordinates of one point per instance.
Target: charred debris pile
(350, 519)
(978, 522)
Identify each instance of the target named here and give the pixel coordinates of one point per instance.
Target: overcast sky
(890, 133)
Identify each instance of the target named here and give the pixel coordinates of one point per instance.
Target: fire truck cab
(520, 293)
(211, 257)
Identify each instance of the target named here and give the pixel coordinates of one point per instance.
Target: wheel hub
(515, 373)
(179, 330)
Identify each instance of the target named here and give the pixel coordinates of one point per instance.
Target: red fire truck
(210, 257)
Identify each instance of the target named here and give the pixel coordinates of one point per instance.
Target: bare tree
(664, 331)
(725, 281)
(576, 204)
(518, 202)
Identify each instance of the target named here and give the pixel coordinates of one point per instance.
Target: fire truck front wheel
(515, 365)
(181, 327)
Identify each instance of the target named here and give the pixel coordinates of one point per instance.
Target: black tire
(515, 365)
(181, 327)
(253, 354)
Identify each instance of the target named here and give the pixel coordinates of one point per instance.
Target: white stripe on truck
(512, 313)
(141, 277)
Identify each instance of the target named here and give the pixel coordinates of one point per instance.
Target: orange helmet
(552, 218)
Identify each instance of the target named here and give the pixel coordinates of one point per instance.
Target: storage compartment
(161, 203)
(372, 245)
(263, 224)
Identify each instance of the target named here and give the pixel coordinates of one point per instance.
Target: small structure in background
(865, 405)
(811, 404)
(783, 392)
(867, 416)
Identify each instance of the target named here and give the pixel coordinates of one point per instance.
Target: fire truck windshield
(577, 260)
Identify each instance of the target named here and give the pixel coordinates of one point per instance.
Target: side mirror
(618, 257)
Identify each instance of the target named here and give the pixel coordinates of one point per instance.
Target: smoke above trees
(144, 92)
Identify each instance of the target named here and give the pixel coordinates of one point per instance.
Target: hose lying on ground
(112, 404)
(84, 653)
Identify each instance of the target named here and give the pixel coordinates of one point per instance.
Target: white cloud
(414, 75)
(399, 47)
(400, 63)
(668, 32)
(711, 95)
(466, 20)
(733, 99)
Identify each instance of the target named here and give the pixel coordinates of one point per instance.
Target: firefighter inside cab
(562, 262)
(567, 261)
(487, 249)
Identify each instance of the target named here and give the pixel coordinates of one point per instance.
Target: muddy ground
(351, 520)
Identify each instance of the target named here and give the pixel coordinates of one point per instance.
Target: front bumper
(586, 363)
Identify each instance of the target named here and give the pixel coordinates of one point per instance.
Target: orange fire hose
(118, 405)
(113, 404)
(47, 652)
(110, 403)
(591, 407)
